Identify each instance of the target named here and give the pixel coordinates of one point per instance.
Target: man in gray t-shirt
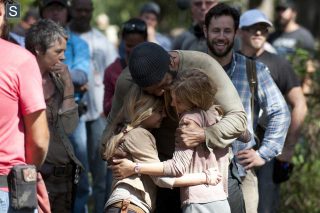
(290, 35)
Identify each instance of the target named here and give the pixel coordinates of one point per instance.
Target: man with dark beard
(289, 35)
(221, 24)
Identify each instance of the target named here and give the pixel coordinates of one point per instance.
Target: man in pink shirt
(24, 136)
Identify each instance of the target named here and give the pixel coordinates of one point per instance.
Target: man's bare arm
(37, 137)
(299, 110)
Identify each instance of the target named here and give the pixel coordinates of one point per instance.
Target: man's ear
(205, 31)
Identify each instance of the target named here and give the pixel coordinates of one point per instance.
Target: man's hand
(122, 168)
(286, 155)
(249, 159)
(190, 134)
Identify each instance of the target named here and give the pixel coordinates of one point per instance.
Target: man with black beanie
(154, 69)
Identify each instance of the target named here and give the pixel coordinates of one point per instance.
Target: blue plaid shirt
(269, 99)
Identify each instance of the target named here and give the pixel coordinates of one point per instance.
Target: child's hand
(122, 168)
(213, 176)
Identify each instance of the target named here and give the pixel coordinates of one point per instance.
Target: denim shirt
(267, 98)
(77, 58)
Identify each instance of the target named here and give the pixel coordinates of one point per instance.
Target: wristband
(68, 97)
(137, 169)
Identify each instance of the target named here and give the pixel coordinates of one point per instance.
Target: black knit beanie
(148, 63)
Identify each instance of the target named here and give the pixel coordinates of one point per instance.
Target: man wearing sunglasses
(253, 32)
(134, 32)
(289, 35)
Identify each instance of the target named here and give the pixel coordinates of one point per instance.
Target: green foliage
(301, 192)
(120, 11)
(298, 60)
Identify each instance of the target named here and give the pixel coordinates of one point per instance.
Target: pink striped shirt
(199, 159)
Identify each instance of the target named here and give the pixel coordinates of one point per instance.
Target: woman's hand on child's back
(122, 168)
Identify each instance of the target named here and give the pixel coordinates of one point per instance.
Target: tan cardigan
(141, 147)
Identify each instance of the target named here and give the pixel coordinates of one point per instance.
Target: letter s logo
(13, 11)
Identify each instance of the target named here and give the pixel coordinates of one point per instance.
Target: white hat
(252, 17)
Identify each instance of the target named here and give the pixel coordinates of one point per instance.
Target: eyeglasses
(255, 29)
(131, 27)
(206, 3)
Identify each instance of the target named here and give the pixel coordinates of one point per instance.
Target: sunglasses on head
(131, 27)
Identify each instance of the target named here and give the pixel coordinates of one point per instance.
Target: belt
(58, 171)
(3, 181)
(125, 206)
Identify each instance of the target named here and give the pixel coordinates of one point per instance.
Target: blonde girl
(130, 134)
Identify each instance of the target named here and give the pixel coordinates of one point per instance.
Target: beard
(281, 23)
(217, 53)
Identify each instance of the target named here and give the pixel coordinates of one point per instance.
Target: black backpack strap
(253, 83)
(252, 79)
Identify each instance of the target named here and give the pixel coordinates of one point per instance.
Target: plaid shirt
(269, 99)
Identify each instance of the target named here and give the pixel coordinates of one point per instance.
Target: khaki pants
(250, 192)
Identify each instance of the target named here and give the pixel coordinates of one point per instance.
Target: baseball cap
(150, 7)
(252, 17)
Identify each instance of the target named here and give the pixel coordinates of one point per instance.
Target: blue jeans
(269, 192)
(235, 198)
(79, 142)
(98, 167)
(5, 205)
